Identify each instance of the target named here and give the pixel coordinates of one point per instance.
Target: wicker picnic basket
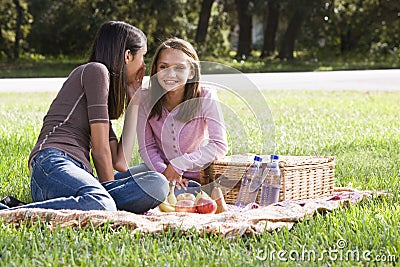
(303, 177)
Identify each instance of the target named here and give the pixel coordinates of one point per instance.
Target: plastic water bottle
(255, 185)
(253, 172)
(272, 183)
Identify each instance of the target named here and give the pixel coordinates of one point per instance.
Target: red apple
(206, 205)
(185, 205)
(186, 196)
(202, 194)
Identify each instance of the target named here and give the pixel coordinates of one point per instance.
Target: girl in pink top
(180, 124)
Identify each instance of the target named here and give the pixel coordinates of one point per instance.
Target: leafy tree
(368, 28)
(217, 41)
(300, 10)
(68, 26)
(14, 26)
(164, 19)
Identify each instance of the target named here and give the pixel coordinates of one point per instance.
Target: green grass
(360, 128)
(38, 67)
(35, 66)
(306, 63)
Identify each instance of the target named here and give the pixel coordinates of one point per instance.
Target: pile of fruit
(201, 203)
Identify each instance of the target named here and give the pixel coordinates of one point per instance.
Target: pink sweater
(189, 147)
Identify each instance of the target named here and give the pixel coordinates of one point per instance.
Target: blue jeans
(193, 186)
(60, 182)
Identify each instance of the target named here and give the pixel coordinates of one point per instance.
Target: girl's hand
(173, 176)
(184, 183)
(131, 89)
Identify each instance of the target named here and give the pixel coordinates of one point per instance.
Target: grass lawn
(36, 66)
(361, 129)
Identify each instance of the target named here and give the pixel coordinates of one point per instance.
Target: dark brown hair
(190, 104)
(109, 46)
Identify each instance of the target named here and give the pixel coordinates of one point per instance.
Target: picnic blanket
(234, 222)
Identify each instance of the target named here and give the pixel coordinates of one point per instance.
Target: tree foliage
(321, 28)
(14, 27)
(366, 28)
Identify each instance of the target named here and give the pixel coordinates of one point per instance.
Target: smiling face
(173, 69)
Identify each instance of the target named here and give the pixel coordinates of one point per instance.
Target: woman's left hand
(131, 90)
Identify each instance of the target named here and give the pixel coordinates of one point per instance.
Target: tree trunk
(345, 40)
(301, 11)
(2, 42)
(202, 27)
(272, 15)
(245, 25)
(18, 28)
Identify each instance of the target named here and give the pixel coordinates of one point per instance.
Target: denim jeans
(60, 182)
(193, 186)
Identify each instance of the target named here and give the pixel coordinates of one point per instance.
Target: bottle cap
(257, 158)
(274, 157)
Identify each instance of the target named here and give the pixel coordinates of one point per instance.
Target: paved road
(388, 80)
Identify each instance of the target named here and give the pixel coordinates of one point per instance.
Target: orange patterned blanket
(231, 223)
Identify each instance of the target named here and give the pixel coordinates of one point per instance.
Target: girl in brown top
(78, 124)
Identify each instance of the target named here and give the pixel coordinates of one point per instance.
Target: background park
(43, 38)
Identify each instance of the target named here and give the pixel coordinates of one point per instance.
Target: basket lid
(287, 161)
